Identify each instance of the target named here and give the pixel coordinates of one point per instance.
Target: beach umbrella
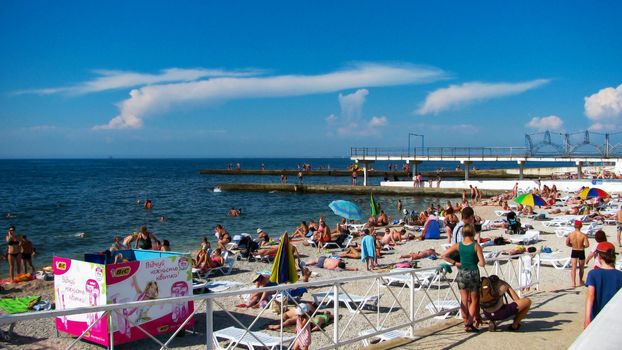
(373, 205)
(530, 199)
(284, 266)
(346, 209)
(593, 192)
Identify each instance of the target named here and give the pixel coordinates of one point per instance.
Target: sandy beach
(554, 322)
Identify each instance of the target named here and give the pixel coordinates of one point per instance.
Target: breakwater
(347, 189)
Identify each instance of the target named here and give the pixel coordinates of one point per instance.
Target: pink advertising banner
(81, 283)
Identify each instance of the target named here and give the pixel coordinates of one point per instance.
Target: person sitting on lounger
(330, 263)
(383, 219)
(498, 310)
(217, 258)
(420, 254)
(301, 231)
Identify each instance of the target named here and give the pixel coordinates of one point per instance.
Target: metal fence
(421, 298)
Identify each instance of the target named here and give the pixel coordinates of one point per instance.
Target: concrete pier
(480, 174)
(347, 189)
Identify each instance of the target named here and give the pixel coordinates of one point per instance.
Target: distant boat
(217, 189)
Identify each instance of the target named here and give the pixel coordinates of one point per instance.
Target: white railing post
(209, 324)
(520, 275)
(110, 330)
(412, 304)
(336, 315)
(538, 272)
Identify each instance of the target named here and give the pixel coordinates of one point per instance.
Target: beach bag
(489, 293)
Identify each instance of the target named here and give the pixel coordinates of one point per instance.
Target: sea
(69, 207)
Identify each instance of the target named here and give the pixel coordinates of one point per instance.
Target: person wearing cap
(262, 237)
(603, 283)
(578, 241)
(256, 299)
(599, 236)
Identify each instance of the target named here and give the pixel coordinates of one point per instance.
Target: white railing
(431, 294)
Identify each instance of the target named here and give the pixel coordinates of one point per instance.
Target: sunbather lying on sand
(420, 255)
(330, 263)
(320, 320)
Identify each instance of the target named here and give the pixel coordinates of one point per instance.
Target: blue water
(52, 201)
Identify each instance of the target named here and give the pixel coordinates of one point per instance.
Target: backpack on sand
(489, 292)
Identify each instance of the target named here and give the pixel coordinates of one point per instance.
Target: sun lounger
(526, 238)
(252, 341)
(588, 230)
(350, 301)
(448, 306)
(556, 260)
(398, 333)
(356, 227)
(423, 279)
(501, 213)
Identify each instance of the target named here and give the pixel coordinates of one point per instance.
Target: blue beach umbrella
(346, 209)
(284, 266)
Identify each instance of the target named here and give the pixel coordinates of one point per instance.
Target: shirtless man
(330, 263)
(27, 252)
(383, 219)
(420, 255)
(619, 225)
(577, 240)
(515, 190)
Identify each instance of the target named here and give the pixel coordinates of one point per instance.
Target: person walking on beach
(578, 241)
(468, 275)
(603, 283)
(14, 253)
(27, 253)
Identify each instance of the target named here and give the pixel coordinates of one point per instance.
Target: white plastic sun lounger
(423, 279)
(256, 339)
(588, 230)
(447, 306)
(526, 238)
(350, 302)
(398, 333)
(556, 260)
(502, 213)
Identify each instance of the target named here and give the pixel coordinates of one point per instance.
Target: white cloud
(157, 98)
(551, 122)
(455, 96)
(378, 121)
(605, 108)
(112, 79)
(351, 121)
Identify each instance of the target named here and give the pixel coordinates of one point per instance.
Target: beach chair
(397, 333)
(555, 259)
(588, 230)
(529, 237)
(255, 340)
(502, 213)
(350, 301)
(424, 278)
(449, 307)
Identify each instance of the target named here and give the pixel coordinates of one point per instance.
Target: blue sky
(250, 78)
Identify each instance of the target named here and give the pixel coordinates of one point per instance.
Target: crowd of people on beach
(370, 240)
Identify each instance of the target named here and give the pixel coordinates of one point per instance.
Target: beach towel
(18, 305)
(525, 276)
(368, 249)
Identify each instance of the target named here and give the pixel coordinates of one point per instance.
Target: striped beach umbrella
(593, 192)
(284, 266)
(530, 199)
